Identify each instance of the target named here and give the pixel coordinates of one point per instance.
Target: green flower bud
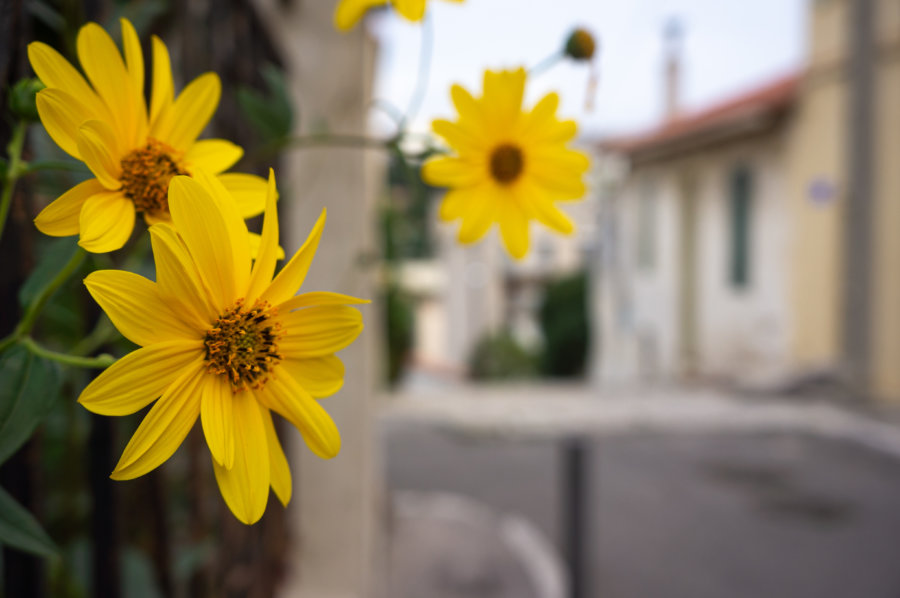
(21, 99)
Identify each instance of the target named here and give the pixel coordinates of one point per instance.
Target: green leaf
(19, 529)
(29, 388)
(56, 255)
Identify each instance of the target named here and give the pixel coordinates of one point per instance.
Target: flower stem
(425, 52)
(546, 64)
(98, 362)
(13, 170)
(34, 308)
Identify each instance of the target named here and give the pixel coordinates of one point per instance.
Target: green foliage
(406, 219)
(564, 323)
(501, 357)
(56, 255)
(19, 529)
(400, 319)
(29, 388)
(270, 113)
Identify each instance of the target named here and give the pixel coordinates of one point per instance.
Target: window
(646, 226)
(741, 193)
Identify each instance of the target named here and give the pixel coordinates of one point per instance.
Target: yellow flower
(349, 12)
(132, 153)
(510, 166)
(223, 341)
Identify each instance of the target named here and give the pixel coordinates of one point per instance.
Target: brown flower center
(146, 173)
(507, 163)
(242, 345)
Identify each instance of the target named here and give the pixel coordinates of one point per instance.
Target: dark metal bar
(104, 519)
(575, 518)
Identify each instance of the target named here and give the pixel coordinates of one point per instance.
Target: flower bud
(22, 99)
(580, 45)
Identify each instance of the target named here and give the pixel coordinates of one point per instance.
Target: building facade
(755, 240)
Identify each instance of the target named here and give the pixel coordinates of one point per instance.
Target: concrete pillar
(335, 515)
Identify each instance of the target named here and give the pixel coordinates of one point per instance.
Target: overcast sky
(728, 46)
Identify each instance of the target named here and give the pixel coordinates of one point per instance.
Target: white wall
(741, 333)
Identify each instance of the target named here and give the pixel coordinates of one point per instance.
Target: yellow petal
(287, 398)
(162, 94)
(452, 172)
(98, 147)
(192, 110)
(541, 125)
(248, 190)
(457, 202)
(464, 138)
(291, 277)
(414, 10)
(61, 217)
(255, 243)
(106, 222)
(549, 215)
(62, 115)
(319, 298)
(264, 267)
(349, 12)
(165, 425)
(319, 331)
(56, 72)
(279, 472)
(217, 416)
(467, 106)
(552, 131)
(320, 376)
(177, 278)
(558, 162)
(213, 155)
(503, 92)
(514, 229)
(104, 67)
(201, 224)
(245, 487)
(237, 228)
(136, 309)
(134, 56)
(482, 214)
(133, 382)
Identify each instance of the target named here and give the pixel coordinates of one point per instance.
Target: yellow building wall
(816, 293)
(816, 153)
(885, 308)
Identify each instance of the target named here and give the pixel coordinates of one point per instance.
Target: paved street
(689, 513)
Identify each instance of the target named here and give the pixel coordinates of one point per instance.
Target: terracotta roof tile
(770, 98)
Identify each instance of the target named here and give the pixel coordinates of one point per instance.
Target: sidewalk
(558, 410)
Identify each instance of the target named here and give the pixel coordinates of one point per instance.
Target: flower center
(242, 345)
(146, 173)
(507, 163)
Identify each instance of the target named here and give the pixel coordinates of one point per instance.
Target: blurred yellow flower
(222, 341)
(349, 12)
(132, 153)
(510, 167)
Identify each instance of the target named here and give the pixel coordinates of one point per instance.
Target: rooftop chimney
(673, 35)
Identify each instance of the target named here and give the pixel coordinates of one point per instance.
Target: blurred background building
(748, 242)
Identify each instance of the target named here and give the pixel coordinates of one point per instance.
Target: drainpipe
(859, 200)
